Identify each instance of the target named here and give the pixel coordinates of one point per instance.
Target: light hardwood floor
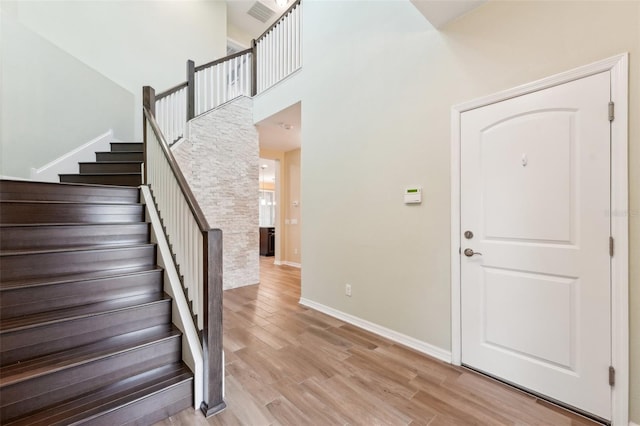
(289, 365)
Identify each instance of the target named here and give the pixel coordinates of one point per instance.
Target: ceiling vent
(261, 12)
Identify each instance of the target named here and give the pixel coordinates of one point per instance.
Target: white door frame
(618, 65)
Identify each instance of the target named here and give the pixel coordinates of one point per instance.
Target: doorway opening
(280, 190)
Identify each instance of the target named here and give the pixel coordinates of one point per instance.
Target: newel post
(149, 99)
(212, 332)
(254, 67)
(148, 102)
(191, 89)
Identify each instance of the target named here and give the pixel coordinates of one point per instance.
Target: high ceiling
(437, 12)
(238, 17)
(281, 131)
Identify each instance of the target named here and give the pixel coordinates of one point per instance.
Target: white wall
(51, 102)
(377, 89)
(131, 43)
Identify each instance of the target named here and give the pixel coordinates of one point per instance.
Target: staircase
(85, 326)
(120, 166)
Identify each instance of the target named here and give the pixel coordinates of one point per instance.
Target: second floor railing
(220, 81)
(273, 56)
(279, 49)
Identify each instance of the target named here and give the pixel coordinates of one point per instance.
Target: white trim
(456, 312)
(277, 263)
(68, 162)
(387, 333)
(288, 77)
(14, 178)
(190, 333)
(633, 424)
(618, 66)
(279, 212)
(180, 140)
(292, 264)
(620, 233)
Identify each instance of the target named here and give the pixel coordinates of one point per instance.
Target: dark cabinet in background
(267, 241)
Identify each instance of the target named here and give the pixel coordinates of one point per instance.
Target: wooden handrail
(171, 91)
(203, 224)
(221, 60)
(293, 6)
(211, 337)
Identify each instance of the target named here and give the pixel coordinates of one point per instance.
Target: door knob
(469, 252)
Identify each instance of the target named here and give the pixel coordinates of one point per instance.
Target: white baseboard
(237, 285)
(292, 264)
(68, 163)
(13, 178)
(277, 263)
(192, 349)
(633, 424)
(387, 333)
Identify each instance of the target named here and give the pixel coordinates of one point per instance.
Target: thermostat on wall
(413, 195)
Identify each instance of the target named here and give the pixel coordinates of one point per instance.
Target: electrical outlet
(295, 251)
(347, 289)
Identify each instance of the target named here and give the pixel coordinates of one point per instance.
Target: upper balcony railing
(273, 56)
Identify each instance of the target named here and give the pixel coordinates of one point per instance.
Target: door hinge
(611, 246)
(612, 376)
(611, 111)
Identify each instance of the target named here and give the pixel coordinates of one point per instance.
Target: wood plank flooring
(289, 365)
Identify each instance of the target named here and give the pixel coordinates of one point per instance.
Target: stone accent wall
(219, 158)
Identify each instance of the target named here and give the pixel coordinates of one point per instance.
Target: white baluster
(213, 90)
(260, 67)
(299, 35)
(281, 41)
(218, 91)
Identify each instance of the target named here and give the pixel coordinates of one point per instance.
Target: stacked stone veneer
(219, 158)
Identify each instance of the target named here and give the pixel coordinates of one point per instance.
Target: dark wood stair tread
(39, 366)
(72, 225)
(19, 264)
(103, 248)
(82, 192)
(123, 166)
(133, 179)
(111, 162)
(60, 279)
(117, 152)
(103, 174)
(50, 235)
(10, 325)
(110, 398)
(69, 203)
(30, 211)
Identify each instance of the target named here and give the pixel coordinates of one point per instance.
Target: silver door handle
(469, 252)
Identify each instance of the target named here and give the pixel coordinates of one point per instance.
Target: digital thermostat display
(413, 195)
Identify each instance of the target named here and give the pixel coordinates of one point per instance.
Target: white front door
(535, 194)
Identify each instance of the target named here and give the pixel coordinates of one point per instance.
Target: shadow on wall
(51, 102)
